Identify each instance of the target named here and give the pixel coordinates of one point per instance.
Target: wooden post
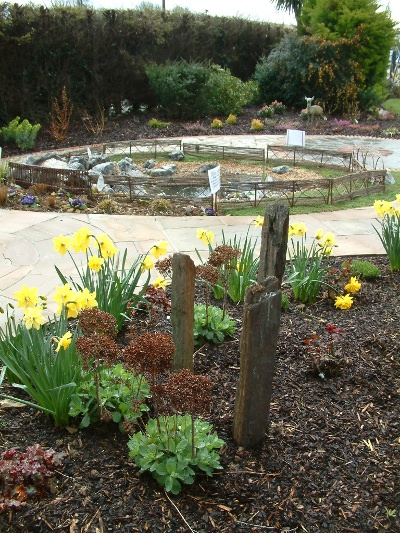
(182, 310)
(274, 237)
(261, 317)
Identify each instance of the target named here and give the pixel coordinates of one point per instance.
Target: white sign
(100, 183)
(295, 138)
(214, 176)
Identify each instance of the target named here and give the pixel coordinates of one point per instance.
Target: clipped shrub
(193, 90)
(231, 120)
(256, 125)
(22, 134)
(217, 124)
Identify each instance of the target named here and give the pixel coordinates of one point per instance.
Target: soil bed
(328, 463)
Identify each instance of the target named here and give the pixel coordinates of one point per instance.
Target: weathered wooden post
(260, 331)
(274, 237)
(182, 310)
(261, 317)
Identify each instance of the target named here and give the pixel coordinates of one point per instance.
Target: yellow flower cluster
(28, 299)
(297, 229)
(81, 242)
(156, 251)
(259, 222)
(383, 207)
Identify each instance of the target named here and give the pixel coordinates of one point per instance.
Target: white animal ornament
(313, 110)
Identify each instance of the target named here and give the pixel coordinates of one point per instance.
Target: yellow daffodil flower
(87, 299)
(159, 249)
(106, 246)
(160, 283)
(319, 234)
(353, 286)
(259, 221)
(82, 240)
(73, 305)
(147, 263)
(64, 341)
(62, 244)
(206, 236)
(328, 240)
(382, 207)
(33, 317)
(297, 229)
(398, 198)
(62, 295)
(327, 251)
(344, 302)
(95, 263)
(27, 296)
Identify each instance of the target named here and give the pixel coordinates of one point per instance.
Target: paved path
(27, 256)
(26, 249)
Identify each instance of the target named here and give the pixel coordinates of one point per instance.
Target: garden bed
(329, 462)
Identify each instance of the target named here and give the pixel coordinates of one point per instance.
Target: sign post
(214, 177)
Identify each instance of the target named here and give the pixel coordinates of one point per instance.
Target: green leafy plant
(390, 230)
(120, 393)
(285, 302)
(364, 270)
(237, 265)
(165, 450)
(108, 275)
(211, 324)
(45, 372)
(155, 123)
(22, 134)
(24, 475)
(217, 124)
(307, 270)
(4, 167)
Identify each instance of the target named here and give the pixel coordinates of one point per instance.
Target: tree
(373, 30)
(289, 5)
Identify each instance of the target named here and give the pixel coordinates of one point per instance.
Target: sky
(263, 10)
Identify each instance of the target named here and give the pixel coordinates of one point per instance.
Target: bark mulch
(329, 462)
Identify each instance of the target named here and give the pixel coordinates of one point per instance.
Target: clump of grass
(364, 270)
(107, 206)
(160, 205)
(155, 123)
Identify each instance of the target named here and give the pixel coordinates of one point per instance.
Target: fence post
(274, 237)
(261, 317)
(182, 310)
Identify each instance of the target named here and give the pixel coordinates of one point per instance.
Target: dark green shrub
(228, 94)
(303, 66)
(179, 88)
(364, 270)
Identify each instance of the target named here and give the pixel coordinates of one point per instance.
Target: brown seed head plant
(164, 267)
(60, 117)
(97, 349)
(151, 354)
(186, 392)
(96, 321)
(157, 300)
(209, 276)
